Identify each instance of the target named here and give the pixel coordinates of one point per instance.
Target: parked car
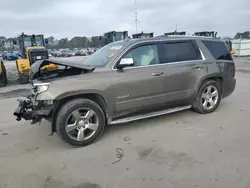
(55, 53)
(127, 81)
(89, 52)
(72, 53)
(65, 54)
(10, 56)
(80, 53)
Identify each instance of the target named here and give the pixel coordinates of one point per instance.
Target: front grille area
(37, 54)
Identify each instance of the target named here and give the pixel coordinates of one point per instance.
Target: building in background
(242, 47)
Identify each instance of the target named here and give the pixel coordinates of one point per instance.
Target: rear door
(183, 64)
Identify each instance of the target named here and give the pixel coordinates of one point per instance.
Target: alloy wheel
(82, 124)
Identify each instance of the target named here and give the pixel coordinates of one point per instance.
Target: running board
(149, 115)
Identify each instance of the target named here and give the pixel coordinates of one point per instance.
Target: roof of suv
(174, 37)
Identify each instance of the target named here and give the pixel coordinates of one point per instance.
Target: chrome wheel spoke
(92, 126)
(80, 135)
(205, 104)
(89, 114)
(203, 96)
(209, 89)
(70, 127)
(76, 115)
(215, 93)
(212, 103)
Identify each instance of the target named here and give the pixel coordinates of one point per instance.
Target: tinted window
(180, 51)
(218, 49)
(144, 55)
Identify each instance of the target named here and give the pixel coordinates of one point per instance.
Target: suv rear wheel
(80, 122)
(208, 98)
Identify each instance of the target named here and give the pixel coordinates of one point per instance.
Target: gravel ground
(184, 149)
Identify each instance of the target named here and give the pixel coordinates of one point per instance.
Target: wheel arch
(218, 78)
(96, 97)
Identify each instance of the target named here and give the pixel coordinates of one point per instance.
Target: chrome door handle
(157, 73)
(198, 68)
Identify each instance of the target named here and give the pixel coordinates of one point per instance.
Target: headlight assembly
(40, 87)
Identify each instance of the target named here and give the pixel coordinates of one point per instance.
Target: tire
(199, 101)
(3, 79)
(64, 114)
(22, 79)
(5, 75)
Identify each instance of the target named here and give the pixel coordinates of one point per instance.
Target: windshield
(30, 41)
(104, 55)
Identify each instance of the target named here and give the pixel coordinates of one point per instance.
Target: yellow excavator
(32, 49)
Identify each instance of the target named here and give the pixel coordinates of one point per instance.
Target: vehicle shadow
(177, 118)
(162, 120)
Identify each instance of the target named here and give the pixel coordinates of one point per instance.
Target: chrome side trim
(163, 64)
(202, 55)
(149, 115)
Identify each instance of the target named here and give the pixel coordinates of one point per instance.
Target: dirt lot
(179, 150)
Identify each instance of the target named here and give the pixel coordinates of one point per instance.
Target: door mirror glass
(125, 62)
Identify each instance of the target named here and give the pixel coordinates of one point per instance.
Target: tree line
(84, 42)
(76, 42)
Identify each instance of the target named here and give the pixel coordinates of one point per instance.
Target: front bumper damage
(29, 109)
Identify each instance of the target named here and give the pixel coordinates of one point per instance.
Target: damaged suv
(126, 81)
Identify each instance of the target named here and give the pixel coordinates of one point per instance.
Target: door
(138, 88)
(182, 63)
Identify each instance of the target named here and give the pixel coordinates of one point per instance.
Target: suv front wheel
(80, 122)
(208, 98)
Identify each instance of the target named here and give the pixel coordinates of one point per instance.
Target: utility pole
(136, 17)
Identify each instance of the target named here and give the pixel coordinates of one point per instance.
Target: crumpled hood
(35, 71)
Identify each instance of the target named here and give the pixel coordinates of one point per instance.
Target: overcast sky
(68, 18)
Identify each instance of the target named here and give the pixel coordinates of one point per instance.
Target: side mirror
(125, 62)
(14, 42)
(46, 41)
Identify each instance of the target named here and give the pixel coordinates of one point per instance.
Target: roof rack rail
(181, 36)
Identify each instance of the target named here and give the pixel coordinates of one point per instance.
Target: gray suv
(127, 81)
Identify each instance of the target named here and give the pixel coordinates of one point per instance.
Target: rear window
(218, 49)
(180, 51)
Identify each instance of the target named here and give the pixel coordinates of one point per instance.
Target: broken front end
(31, 109)
(39, 103)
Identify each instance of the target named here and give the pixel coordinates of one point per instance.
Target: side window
(180, 51)
(144, 55)
(218, 49)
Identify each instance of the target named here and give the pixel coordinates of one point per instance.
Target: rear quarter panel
(223, 69)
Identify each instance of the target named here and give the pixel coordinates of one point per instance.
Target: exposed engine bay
(39, 71)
